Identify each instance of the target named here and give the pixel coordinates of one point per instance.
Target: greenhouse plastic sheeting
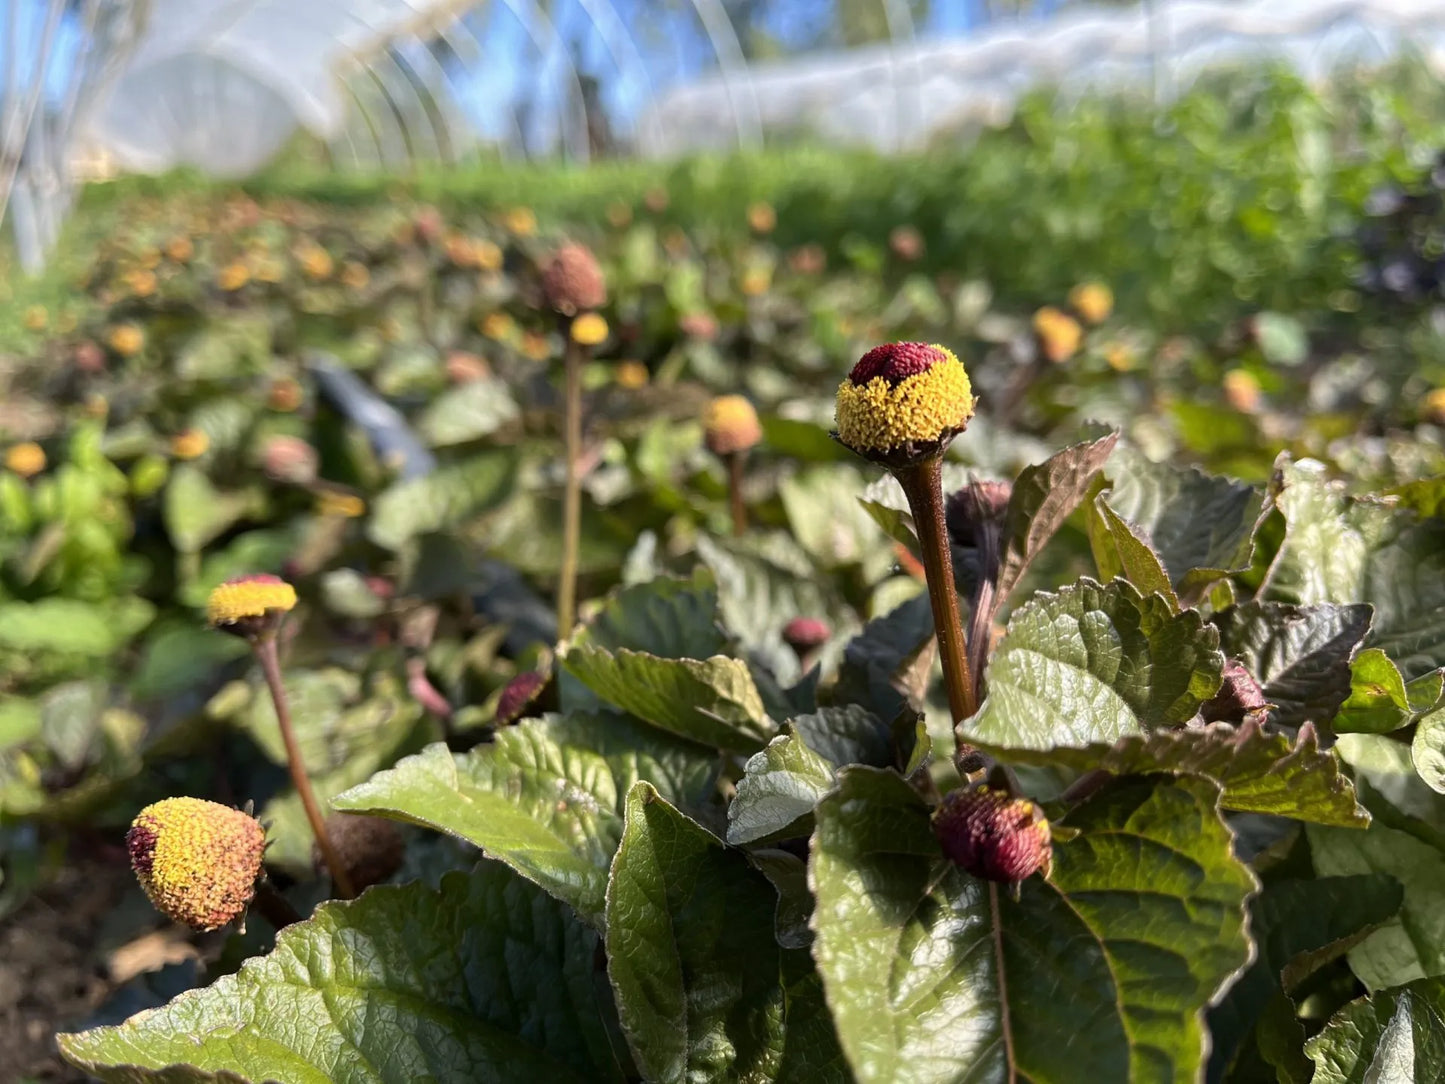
(221, 84)
(895, 95)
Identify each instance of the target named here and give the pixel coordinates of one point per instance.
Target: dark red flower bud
(572, 281)
(803, 634)
(976, 505)
(993, 835)
(371, 849)
(519, 694)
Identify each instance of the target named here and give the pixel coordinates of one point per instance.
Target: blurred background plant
(313, 341)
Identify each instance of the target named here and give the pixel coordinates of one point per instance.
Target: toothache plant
(1147, 852)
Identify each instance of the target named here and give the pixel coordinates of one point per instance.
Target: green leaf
(19, 721)
(545, 796)
(1199, 524)
(447, 498)
(1093, 663)
(1297, 925)
(690, 950)
(63, 625)
(1119, 551)
(1412, 944)
(1043, 497)
(1101, 973)
(885, 503)
(778, 790)
(1339, 548)
(713, 701)
(1394, 1037)
(1423, 496)
(474, 410)
(486, 979)
(825, 517)
(782, 783)
(1300, 654)
(197, 513)
(1259, 771)
(876, 661)
(668, 617)
(1427, 749)
(763, 582)
(1378, 702)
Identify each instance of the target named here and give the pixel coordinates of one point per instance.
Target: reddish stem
(266, 655)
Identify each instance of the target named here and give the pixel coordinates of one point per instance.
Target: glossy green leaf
(1412, 944)
(1199, 524)
(196, 512)
(933, 975)
(690, 950)
(1043, 497)
(1120, 551)
(1338, 548)
(1300, 654)
(1297, 925)
(782, 783)
(1093, 663)
(486, 979)
(1378, 702)
(1427, 749)
(876, 661)
(780, 786)
(545, 796)
(1393, 1037)
(1259, 771)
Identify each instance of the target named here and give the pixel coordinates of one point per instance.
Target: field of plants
(688, 690)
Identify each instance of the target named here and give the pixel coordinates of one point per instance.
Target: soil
(59, 961)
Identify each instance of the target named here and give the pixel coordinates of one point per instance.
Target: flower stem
(266, 655)
(923, 486)
(735, 492)
(572, 493)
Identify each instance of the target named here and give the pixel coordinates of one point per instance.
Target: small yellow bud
(180, 249)
(233, 276)
(521, 221)
(589, 329)
(631, 374)
(1059, 334)
(1093, 301)
(36, 318)
(26, 459)
(1241, 390)
(341, 505)
(354, 275)
(730, 425)
(126, 340)
(762, 218)
(190, 444)
(1435, 406)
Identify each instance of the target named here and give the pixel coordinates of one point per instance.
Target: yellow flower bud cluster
(901, 393)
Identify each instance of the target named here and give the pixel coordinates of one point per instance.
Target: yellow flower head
(756, 280)
(180, 249)
(521, 221)
(1093, 301)
(1241, 390)
(730, 425)
(1059, 334)
(341, 505)
(631, 374)
(486, 255)
(315, 261)
(354, 275)
(26, 460)
(901, 393)
(233, 276)
(190, 444)
(536, 347)
(253, 596)
(1435, 406)
(36, 318)
(762, 218)
(197, 861)
(126, 340)
(141, 281)
(589, 329)
(498, 325)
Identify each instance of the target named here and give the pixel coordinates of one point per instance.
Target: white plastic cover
(895, 95)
